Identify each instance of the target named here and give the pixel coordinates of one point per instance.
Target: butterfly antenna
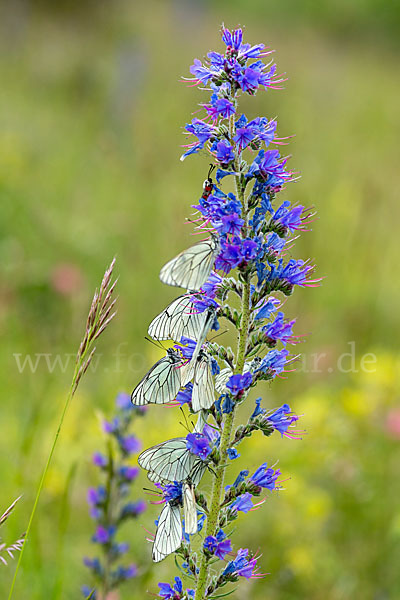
(157, 343)
(218, 335)
(210, 170)
(185, 424)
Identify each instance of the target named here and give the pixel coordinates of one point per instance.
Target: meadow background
(91, 116)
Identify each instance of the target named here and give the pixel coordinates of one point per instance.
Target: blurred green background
(91, 111)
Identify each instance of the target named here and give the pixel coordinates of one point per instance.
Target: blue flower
(211, 286)
(237, 384)
(241, 566)
(268, 306)
(103, 535)
(218, 546)
(167, 592)
(265, 477)
(130, 444)
(281, 419)
(240, 478)
(258, 410)
(186, 347)
(172, 491)
(199, 445)
(274, 362)
(290, 219)
(219, 107)
(223, 153)
(185, 396)
(232, 453)
(279, 330)
(243, 503)
(231, 224)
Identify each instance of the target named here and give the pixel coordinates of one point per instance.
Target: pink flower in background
(393, 423)
(66, 279)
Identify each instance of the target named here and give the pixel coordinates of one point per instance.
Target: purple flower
(96, 496)
(224, 153)
(100, 460)
(241, 566)
(218, 546)
(258, 410)
(129, 473)
(232, 453)
(130, 444)
(199, 445)
(243, 503)
(123, 401)
(281, 419)
(185, 396)
(219, 107)
(238, 383)
(186, 347)
(279, 329)
(231, 224)
(265, 477)
(167, 592)
(200, 72)
(172, 491)
(274, 362)
(133, 509)
(111, 426)
(268, 306)
(210, 287)
(229, 257)
(103, 535)
(290, 219)
(244, 136)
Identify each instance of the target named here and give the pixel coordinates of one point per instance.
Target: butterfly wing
(203, 384)
(168, 536)
(161, 384)
(192, 267)
(170, 461)
(179, 319)
(189, 508)
(222, 379)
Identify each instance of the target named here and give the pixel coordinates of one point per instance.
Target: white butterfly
(179, 319)
(202, 334)
(203, 383)
(172, 461)
(169, 532)
(192, 267)
(223, 376)
(189, 508)
(161, 384)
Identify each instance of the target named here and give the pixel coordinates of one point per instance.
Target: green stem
(42, 480)
(216, 496)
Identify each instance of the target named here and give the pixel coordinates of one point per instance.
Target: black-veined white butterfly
(169, 532)
(161, 384)
(223, 376)
(192, 267)
(210, 313)
(179, 319)
(203, 383)
(172, 461)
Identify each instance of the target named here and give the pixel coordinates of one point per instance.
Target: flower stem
(42, 480)
(215, 505)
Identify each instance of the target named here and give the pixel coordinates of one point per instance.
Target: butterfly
(203, 383)
(210, 313)
(172, 461)
(161, 384)
(223, 376)
(169, 532)
(192, 267)
(179, 319)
